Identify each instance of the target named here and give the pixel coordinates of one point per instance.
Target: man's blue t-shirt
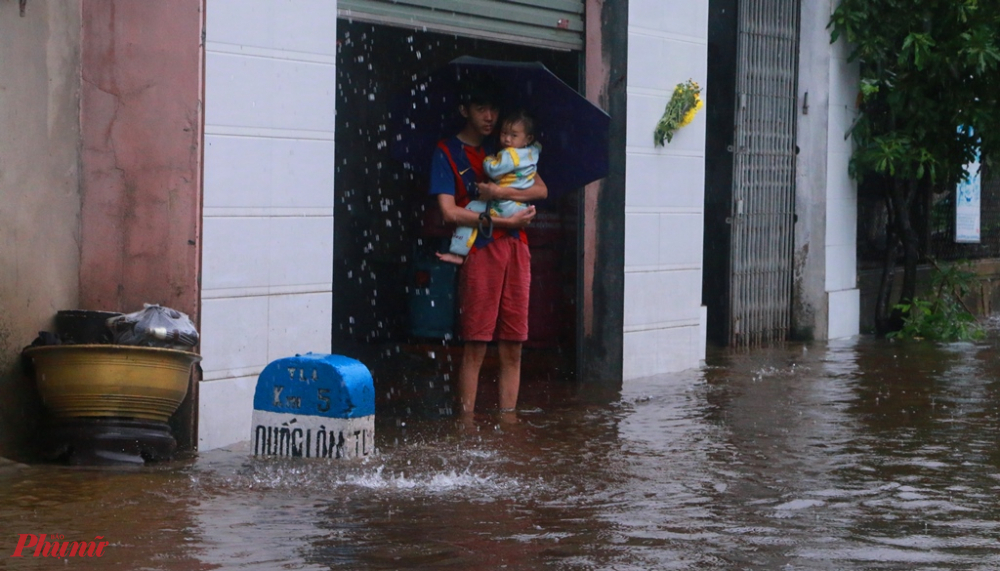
(444, 180)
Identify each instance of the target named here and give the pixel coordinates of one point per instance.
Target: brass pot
(122, 381)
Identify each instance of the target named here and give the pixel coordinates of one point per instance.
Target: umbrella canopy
(573, 131)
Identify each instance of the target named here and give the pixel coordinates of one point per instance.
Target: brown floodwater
(860, 454)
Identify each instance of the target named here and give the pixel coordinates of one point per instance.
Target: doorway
(393, 302)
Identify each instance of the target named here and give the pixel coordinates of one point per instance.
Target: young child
(514, 166)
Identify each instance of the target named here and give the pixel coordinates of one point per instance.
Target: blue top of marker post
(314, 384)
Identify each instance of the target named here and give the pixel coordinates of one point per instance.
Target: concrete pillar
(600, 326)
(39, 194)
(826, 297)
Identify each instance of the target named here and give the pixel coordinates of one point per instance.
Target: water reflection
(852, 455)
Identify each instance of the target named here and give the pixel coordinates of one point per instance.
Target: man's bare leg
(510, 373)
(468, 375)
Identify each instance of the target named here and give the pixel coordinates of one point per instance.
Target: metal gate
(763, 206)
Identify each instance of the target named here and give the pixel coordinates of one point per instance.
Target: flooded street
(861, 454)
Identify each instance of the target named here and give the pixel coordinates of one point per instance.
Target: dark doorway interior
(392, 300)
(720, 118)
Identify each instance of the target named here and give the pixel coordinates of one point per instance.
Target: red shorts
(493, 290)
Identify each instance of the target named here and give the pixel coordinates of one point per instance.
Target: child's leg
(463, 237)
(450, 258)
(461, 240)
(476, 206)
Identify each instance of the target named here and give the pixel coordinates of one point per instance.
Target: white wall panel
(841, 267)
(238, 254)
(297, 248)
(302, 169)
(662, 298)
(678, 17)
(661, 180)
(234, 334)
(270, 93)
(681, 240)
(663, 240)
(845, 306)
(843, 94)
(648, 353)
(270, 80)
(664, 201)
(841, 118)
(301, 323)
(643, 107)
(297, 26)
(841, 199)
(663, 61)
(642, 239)
(225, 411)
(839, 184)
(841, 218)
(248, 186)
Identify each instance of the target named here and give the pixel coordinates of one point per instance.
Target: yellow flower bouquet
(681, 109)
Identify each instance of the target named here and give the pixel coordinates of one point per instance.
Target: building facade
(210, 155)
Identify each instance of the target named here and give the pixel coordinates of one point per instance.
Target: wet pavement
(861, 454)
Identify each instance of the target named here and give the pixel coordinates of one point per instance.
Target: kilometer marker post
(314, 406)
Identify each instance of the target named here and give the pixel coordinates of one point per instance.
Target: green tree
(927, 104)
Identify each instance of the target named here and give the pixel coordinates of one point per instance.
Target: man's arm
(516, 220)
(455, 214)
(493, 191)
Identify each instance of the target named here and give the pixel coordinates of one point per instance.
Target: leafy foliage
(927, 106)
(928, 67)
(683, 105)
(944, 315)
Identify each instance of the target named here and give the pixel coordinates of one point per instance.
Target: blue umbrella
(573, 131)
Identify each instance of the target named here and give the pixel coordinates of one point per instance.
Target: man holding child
(495, 275)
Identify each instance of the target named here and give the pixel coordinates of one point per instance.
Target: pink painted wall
(140, 121)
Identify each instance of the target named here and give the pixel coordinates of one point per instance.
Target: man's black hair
(479, 89)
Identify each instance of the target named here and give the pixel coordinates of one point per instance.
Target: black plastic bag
(154, 326)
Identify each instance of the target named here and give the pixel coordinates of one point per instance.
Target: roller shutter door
(556, 24)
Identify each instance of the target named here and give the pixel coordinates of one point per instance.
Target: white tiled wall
(843, 297)
(845, 309)
(664, 204)
(267, 262)
(219, 425)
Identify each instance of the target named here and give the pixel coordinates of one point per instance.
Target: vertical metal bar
(752, 190)
(775, 325)
(749, 196)
(788, 207)
(773, 65)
